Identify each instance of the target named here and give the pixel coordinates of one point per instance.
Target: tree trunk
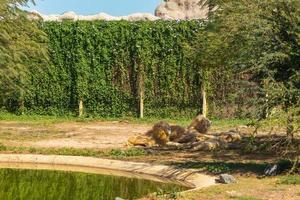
(204, 100)
(141, 89)
(141, 103)
(266, 110)
(290, 129)
(22, 107)
(80, 113)
(21, 103)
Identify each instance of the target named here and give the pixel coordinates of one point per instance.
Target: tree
(202, 52)
(21, 41)
(262, 37)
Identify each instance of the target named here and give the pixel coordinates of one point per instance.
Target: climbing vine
(105, 63)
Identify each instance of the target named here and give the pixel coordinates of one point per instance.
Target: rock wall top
(101, 16)
(183, 9)
(168, 10)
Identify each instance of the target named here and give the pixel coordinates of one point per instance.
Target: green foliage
(223, 167)
(119, 153)
(100, 63)
(290, 180)
(22, 48)
(171, 194)
(259, 41)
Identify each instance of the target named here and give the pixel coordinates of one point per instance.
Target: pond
(24, 184)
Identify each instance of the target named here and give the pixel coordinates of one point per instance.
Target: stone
(271, 170)
(233, 194)
(118, 198)
(183, 9)
(226, 179)
(72, 16)
(34, 15)
(68, 16)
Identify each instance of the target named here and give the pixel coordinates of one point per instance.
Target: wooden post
(141, 103)
(80, 108)
(204, 100)
(266, 109)
(141, 90)
(21, 103)
(22, 107)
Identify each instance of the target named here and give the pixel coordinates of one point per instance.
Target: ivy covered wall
(105, 64)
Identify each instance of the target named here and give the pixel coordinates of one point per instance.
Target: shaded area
(223, 167)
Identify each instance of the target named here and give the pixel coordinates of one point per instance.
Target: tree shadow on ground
(223, 167)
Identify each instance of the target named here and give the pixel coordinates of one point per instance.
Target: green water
(56, 185)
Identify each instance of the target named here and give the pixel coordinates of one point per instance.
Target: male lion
(160, 133)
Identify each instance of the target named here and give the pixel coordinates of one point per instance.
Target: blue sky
(85, 7)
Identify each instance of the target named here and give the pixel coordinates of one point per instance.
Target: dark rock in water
(226, 179)
(271, 170)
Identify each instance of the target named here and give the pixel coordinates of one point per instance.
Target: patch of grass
(245, 198)
(66, 152)
(222, 167)
(31, 135)
(229, 123)
(290, 180)
(172, 194)
(114, 153)
(46, 119)
(5, 116)
(133, 152)
(2, 147)
(53, 151)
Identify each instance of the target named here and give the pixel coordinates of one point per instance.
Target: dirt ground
(248, 188)
(111, 135)
(96, 135)
(87, 135)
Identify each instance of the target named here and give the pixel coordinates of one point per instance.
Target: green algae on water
(19, 184)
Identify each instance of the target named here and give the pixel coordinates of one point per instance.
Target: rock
(271, 170)
(51, 18)
(233, 194)
(35, 15)
(118, 198)
(140, 17)
(183, 9)
(68, 16)
(226, 179)
(101, 16)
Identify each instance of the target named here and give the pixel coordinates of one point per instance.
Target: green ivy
(100, 63)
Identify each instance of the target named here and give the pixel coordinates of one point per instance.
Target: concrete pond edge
(188, 177)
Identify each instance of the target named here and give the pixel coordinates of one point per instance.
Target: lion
(177, 133)
(201, 124)
(158, 135)
(140, 140)
(160, 132)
